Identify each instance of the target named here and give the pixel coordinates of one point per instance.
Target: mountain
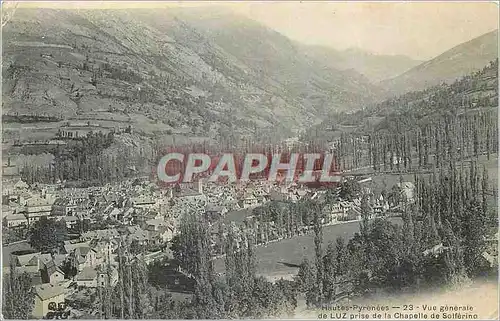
(449, 66)
(194, 72)
(373, 66)
(475, 92)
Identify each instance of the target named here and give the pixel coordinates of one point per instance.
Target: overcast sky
(421, 30)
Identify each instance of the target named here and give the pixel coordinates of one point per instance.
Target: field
(282, 258)
(388, 180)
(237, 216)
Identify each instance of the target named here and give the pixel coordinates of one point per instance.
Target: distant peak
(356, 50)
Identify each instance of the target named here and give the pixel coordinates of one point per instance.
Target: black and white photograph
(318, 160)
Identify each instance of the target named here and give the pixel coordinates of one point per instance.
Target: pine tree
(307, 282)
(365, 214)
(18, 298)
(484, 189)
(318, 241)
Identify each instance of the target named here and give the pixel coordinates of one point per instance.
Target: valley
(94, 98)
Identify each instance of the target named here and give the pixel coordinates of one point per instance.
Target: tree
(141, 287)
(318, 249)
(473, 240)
(306, 279)
(349, 189)
(484, 190)
(47, 235)
(136, 247)
(365, 214)
(18, 296)
(69, 269)
(330, 273)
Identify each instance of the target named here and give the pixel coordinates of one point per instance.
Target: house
(35, 217)
(52, 274)
(215, 212)
(397, 160)
(491, 259)
(249, 200)
(70, 221)
(155, 224)
(435, 250)
(336, 208)
(47, 298)
(163, 236)
(44, 259)
(154, 257)
(345, 206)
(365, 180)
(82, 257)
(87, 277)
(14, 220)
(335, 212)
(142, 202)
(278, 196)
(103, 278)
(79, 130)
(105, 249)
(59, 259)
(380, 205)
(128, 216)
(37, 207)
(189, 194)
(353, 214)
(11, 172)
(7, 210)
(137, 234)
(107, 234)
(71, 245)
(63, 207)
(26, 261)
(115, 214)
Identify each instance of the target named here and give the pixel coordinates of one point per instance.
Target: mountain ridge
(449, 66)
(167, 69)
(375, 67)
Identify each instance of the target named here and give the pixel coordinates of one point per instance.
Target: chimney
(8, 161)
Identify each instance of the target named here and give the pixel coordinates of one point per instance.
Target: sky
(420, 30)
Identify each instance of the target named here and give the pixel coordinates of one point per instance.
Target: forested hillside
(472, 92)
(419, 129)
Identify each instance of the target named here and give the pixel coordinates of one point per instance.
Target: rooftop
(48, 291)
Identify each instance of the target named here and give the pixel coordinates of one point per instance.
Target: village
(140, 213)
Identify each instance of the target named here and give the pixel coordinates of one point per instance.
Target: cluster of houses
(79, 130)
(55, 275)
(134, 211)
(142, 203)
